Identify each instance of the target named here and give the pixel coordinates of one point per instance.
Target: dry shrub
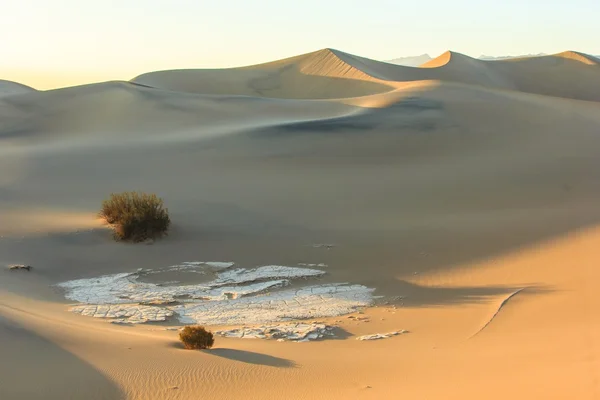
(196, 338)
(136, 216)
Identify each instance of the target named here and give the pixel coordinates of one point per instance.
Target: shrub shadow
(338, 334)
(250, 357)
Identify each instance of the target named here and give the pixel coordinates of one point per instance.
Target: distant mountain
(413, 61)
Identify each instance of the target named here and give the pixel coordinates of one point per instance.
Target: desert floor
(465, 192)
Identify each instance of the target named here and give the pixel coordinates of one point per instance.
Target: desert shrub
(196, 337)
(136, 216)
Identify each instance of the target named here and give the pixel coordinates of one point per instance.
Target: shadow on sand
(244, 356)
(414, 295)
(250, 357)
(33, 367)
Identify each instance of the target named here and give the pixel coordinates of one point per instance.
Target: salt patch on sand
(377, 336)
(298, 332)
(235, 297)
(125, 288)
(321, 265)
(191, 266)
(284, 305)
(125, 313)
(242, 275)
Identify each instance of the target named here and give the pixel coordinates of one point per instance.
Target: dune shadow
(411, 112)
(33, 367)
(413, 295)
(250, 357)
(226, 219)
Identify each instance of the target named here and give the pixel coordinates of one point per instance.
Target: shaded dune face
(28, 359)
(8, 88)
(318, 75)
(329, 74)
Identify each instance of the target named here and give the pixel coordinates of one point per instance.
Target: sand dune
(417, 61)
(317, 75)
(96, 114)
(332, 73)
(8, 88)
(447, 189)
(581, 57)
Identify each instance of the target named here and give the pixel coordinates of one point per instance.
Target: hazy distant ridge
(416, 61)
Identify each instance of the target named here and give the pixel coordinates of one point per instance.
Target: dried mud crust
(237, 296)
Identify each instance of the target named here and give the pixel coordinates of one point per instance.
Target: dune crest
(8, 88)
(439, 61)
(333, 74)
(318, 75)
(581, 57)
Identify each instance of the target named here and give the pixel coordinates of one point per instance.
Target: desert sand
(464, 192)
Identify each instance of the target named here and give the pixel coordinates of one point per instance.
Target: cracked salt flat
(235, 297)
(212, 264)
(313, 265)
(191, 266)
(377, 336)
(218, 264)
(285, 305)
(242, 275)
(298, 332)
(125, 288)
(125, 313)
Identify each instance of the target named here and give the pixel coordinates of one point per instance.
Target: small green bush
(196, 337)
(135, 216)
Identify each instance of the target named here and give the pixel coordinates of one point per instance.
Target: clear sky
(78, 40)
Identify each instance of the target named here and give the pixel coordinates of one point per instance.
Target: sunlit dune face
(384, 100)
(440, 61)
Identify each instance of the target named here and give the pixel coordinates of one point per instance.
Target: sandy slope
(543, 343)
(317, 75)
(452, 191)
(8, 88)
(331, 73)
